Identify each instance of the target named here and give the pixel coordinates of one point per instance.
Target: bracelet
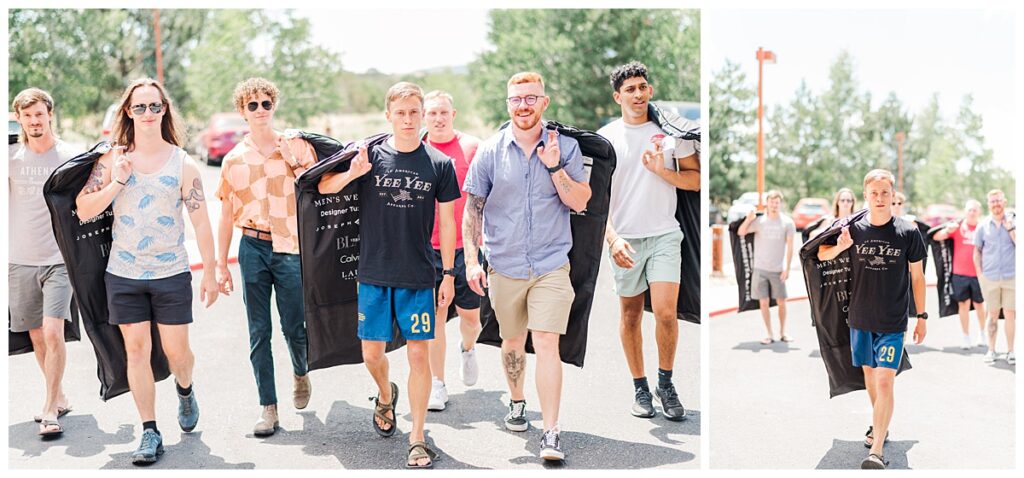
(610, 244)
(118, 181)
(1014, 228)
(554, 169)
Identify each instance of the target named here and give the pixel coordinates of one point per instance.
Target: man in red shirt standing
(966, 288)
(439, 109)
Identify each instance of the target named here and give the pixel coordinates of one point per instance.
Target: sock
(184, 392)
(664, 378)
(151, 425)
(641, 383)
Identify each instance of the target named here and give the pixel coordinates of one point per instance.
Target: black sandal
(874, 462)
(379, 410)
(870, 434)
(418, 451)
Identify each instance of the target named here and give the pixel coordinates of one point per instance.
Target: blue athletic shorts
(875, 350)
(381, 307)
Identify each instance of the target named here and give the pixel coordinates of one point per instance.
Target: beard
(527, 122)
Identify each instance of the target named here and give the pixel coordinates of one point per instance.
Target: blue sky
(912, 53)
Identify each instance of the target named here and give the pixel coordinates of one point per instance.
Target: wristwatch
(923, 316)
(554, 169)
(448, 272)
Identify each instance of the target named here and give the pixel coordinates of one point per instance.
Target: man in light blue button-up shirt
(995, 251)
(520, 189)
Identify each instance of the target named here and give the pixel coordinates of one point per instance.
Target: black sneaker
(516, 418)
(670, 404)
(874, 462)
(551, 446)
(642, 406)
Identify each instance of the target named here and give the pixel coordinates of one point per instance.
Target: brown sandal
(380, 409)
(418, 451)
(50, 428)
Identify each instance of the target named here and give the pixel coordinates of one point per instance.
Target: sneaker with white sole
(551, 446)
(1011, 358)
(981, 342)
(469, 371)
(967, 343)
(516, 418)
(438, 396)
(990, 357)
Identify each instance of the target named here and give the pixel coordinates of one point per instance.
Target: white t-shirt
(32, 240)
(642, 204)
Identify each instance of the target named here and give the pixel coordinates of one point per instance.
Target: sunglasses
(897, 204)
(267, 105)
(530, 100)
(139, 109)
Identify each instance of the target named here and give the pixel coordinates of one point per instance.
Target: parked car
(936, 214)
(686, 109)
(13, 129)
(223, 132)
(808, 210)
(108, 123)
(741, 206)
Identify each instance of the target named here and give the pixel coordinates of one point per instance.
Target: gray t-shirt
(770, 241)
(32, 241)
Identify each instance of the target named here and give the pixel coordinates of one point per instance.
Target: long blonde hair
(123, 131)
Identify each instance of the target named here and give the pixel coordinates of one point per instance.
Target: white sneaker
(469, 371)
(967, 343)
(981, 342)
(990, 357)
(438, 396)
(1011, 358)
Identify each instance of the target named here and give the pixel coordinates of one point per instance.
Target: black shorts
(967, 287)
(465, 298)
(166, 301)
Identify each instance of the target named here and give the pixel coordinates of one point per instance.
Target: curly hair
(622, 73)
(254, 86)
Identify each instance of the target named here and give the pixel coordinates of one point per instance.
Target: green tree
(576, 50)
(733, 110)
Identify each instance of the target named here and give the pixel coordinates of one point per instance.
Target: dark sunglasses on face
(897, 204)
(267, 105)
(139, 109)
(515, 101)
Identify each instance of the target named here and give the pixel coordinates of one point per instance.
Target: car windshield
(230, 123)
(811, 207)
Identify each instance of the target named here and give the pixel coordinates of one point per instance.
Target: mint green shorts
(657, 259)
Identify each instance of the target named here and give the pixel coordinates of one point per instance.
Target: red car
(936, 214)
(223, 132)
(808, 210)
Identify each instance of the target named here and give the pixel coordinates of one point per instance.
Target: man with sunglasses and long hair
(520, 188)
(257, 190)
(148, 178)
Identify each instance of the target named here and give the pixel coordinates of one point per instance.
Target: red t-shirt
(461, 149)
(963, 250)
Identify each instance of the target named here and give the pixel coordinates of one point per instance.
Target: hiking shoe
(301, 391)
(874, 462)
(990, 357)
(1011, 358)
(516, 418)
(188, 412)
(151, 447)
(438, 396)
(670, 404)
(268, 422)
(551, 446)
(642, 406)
(469, 371)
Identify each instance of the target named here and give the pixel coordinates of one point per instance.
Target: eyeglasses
(846, 200)
(139, 109)
(530, 100)
(267, 105)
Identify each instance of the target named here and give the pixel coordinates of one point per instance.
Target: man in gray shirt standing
(40, 292)
(773, 253)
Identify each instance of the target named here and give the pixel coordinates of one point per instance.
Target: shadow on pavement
(778, 347)
(690, 426)
(82, 437)
(189, 453)
(847, 455)
(585, 451)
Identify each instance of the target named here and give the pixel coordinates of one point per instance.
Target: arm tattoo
(195, 197)
(514, 365)
(472, 221)
(96, 178)
(563, 181)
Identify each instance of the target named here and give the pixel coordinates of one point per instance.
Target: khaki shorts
(538, 303)
(37, 292)
(998, 294)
